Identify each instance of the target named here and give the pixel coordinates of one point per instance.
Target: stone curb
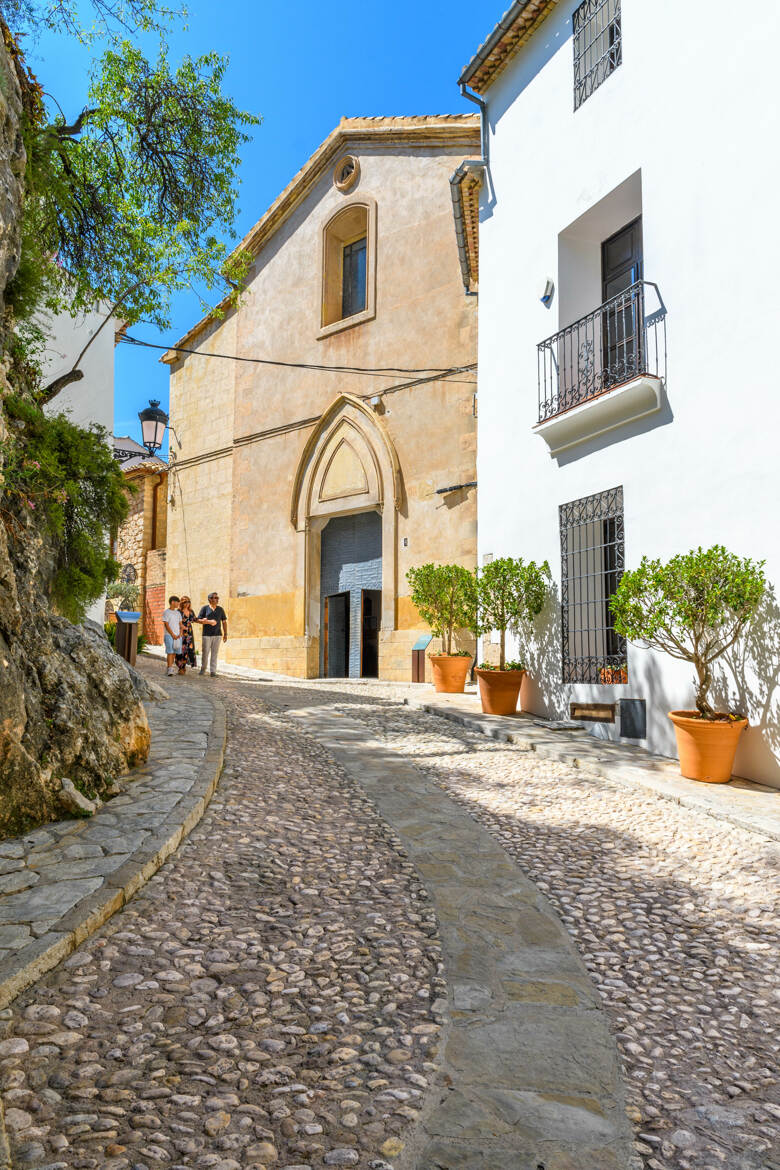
(590, 764)
(32, 961)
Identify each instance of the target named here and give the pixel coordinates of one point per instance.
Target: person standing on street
(186, 657)
(214, 621)
(171, 620)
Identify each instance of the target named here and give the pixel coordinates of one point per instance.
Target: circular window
(346, 172)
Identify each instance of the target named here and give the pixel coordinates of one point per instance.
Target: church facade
(341, 449)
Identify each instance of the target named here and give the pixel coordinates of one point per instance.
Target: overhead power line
(376, 372)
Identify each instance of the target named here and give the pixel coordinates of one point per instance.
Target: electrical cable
(379, 372)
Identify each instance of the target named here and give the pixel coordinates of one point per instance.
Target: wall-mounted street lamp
(153, 424)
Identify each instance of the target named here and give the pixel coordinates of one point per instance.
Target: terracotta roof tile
(514, 28)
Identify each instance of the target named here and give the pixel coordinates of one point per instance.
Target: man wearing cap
(214, 621)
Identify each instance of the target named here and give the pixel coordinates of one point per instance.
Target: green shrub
(694, 608)
(510, 594)
(445, 597)
(66, 478)
(510, 664)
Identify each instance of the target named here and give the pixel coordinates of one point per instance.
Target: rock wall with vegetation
(70, 708)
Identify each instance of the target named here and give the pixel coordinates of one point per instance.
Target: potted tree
(510, 594)
(445, 597)
(694, 607)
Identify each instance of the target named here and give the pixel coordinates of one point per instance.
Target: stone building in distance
(307, 487)
(140, 541)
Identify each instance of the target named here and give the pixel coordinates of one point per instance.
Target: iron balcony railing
(618, 341)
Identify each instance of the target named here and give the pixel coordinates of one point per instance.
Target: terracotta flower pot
(449, 672)
(706, 747)
(499, 690)
(613, 674)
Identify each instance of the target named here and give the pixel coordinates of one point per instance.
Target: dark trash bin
(126, 640)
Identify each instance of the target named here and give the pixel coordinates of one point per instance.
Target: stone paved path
(269, 999)
(58, 877)
(528, 1071)
(259, 955)
(674, 914)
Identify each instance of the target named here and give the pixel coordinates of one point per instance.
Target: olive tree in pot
(445, 597)
(510, 594)
(694, 607)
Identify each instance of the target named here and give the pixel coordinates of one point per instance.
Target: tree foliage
(510, 594)
(693, 607)
(445, 597)
(64, 479)
(130, 199)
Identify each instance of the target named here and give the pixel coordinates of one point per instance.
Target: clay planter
(449, 672)
(613, 674)
(706, 747)
(499, 690)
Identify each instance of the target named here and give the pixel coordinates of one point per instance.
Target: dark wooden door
(336, 635)
(370, 609)
(623, 320)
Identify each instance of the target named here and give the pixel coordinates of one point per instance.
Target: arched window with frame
(348, 267)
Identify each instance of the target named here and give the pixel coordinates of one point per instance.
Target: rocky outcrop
(69, 706)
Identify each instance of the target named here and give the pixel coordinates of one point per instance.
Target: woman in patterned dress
(187, 655)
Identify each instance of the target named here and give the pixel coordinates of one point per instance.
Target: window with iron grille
(597, 45)
(592, 563)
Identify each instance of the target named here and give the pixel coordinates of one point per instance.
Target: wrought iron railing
(618, 341)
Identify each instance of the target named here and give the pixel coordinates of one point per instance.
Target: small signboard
(418, 657)
(423, 642)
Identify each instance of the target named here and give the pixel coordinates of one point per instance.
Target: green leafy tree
(63, 479)
(694, 607)
(445, 597)
(134, 195)
(510, 594)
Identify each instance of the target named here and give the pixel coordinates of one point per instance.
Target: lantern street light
(153, 424)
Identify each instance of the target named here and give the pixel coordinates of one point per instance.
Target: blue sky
(300, 67)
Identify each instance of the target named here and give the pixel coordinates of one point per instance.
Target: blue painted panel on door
(351, 561)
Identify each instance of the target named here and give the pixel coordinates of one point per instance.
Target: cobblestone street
(674, 914)
(206, 1027)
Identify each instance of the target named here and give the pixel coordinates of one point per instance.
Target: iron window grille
(616, 342)
(598, 48)
(592, 563)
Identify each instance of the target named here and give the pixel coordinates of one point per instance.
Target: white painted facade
(90, 400)
(683, 133)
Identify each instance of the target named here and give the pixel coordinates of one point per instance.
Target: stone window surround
(331, 244)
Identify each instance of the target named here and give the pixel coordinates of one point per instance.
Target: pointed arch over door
(348, 465)
(348, 420)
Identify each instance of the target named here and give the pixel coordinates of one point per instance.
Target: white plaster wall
(92, 399)
(693, 111)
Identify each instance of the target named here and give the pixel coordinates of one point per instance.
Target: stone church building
(308, 486)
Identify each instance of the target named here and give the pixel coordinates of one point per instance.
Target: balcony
(604, 370)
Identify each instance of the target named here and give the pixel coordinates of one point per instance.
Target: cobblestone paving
(674, 914)
(46, 873)
(267, 1000)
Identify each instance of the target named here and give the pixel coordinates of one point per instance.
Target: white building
(90, 400)
(627, 294)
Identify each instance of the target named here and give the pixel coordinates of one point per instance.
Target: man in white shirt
(172, 621)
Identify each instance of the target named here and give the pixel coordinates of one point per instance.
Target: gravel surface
(267, 1000)
(673, 912)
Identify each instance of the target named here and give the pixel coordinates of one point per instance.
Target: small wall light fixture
(547, 294)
